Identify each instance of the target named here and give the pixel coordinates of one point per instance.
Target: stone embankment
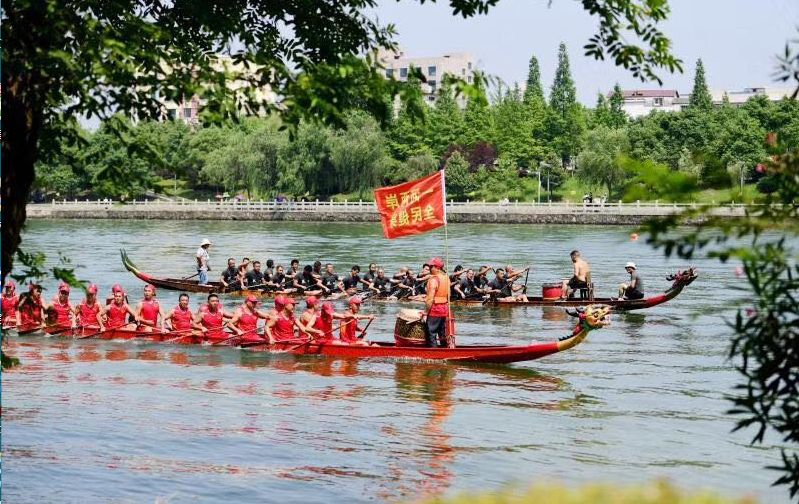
(457, 212)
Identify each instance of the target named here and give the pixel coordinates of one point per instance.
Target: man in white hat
(634, 289)
(202, 261)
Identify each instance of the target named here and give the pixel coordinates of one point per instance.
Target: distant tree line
(485, 146)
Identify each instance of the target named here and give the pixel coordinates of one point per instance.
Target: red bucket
(551, 291)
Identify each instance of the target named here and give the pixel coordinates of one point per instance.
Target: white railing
(460, 207)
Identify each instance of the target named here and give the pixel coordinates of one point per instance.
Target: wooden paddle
(363, 331)
(190, 277)
(235, 336)
(181, 332)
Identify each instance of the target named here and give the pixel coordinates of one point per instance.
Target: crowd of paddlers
(248, 323)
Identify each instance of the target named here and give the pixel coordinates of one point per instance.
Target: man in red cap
(62, 309)
(281, 326)
(437, 304)
(10, 305)
(349, 327)
(88, 311)
(311, 318)
(31, 308)
(149, 311)
(245, 320)
(116, 312)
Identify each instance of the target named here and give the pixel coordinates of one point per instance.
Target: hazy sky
(736, 39)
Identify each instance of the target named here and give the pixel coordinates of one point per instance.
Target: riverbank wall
(457, 212)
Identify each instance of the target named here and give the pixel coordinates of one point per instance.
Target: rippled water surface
(87, 421)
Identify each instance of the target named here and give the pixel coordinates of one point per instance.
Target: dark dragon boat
(680, 281)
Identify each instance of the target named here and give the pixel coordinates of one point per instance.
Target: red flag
(413, 207)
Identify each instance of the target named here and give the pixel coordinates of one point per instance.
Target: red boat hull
(488, 354)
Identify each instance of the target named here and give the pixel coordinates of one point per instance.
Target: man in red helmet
(437, 304)
(88, 311)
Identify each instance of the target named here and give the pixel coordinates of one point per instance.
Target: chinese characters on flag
(413, 207)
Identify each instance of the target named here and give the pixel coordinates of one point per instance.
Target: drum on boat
(551, 291)
(409, 330)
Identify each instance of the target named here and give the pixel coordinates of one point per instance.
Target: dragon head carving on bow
(683, 278)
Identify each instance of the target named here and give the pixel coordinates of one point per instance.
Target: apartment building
(640, 102)
(434, 68)
(188, 110)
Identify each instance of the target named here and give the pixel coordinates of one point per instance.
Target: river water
(87, 421)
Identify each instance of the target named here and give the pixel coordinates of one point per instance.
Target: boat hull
(486, 354)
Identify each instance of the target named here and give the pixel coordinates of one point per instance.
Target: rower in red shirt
(62, 308)
(349, 327)
(149, 311)
(211, 318)
(115, 314)
(312, 317)
(181, 318)
(10, 305)
(245, 320)
(31, 308)
(281, 327)
(88, 311)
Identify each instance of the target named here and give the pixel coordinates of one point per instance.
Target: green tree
(600, 160)
(533, 91)
(446, 123)
(618, 117)
(357, 154)
(601, 114)
(477, 118)
(700, 95)
(460, 180)
(566, 121)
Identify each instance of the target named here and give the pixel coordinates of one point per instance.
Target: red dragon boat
(589, 318)
(680, 281)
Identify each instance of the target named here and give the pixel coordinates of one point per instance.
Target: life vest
(181, 319)
(149, 311)
(10, 310)
(348, 333)
(117, 315)
(88, 314)
(441, 294)
(214, 323)
(63, 312)
(284, 327)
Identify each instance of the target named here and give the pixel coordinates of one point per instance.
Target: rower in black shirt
(305, 282)
(501, 289)
(481, 277)
(278, 280)
(229, 277)
(351, 282)
(467, 288)
(381, 284)
(330, 279)
(254, 278)
(370, 275)
(420, 284)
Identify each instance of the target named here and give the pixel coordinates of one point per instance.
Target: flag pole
(446, 237)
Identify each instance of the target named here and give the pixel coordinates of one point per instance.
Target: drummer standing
(437, 304)
(202, 261)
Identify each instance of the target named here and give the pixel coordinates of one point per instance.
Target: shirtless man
(579, 279)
